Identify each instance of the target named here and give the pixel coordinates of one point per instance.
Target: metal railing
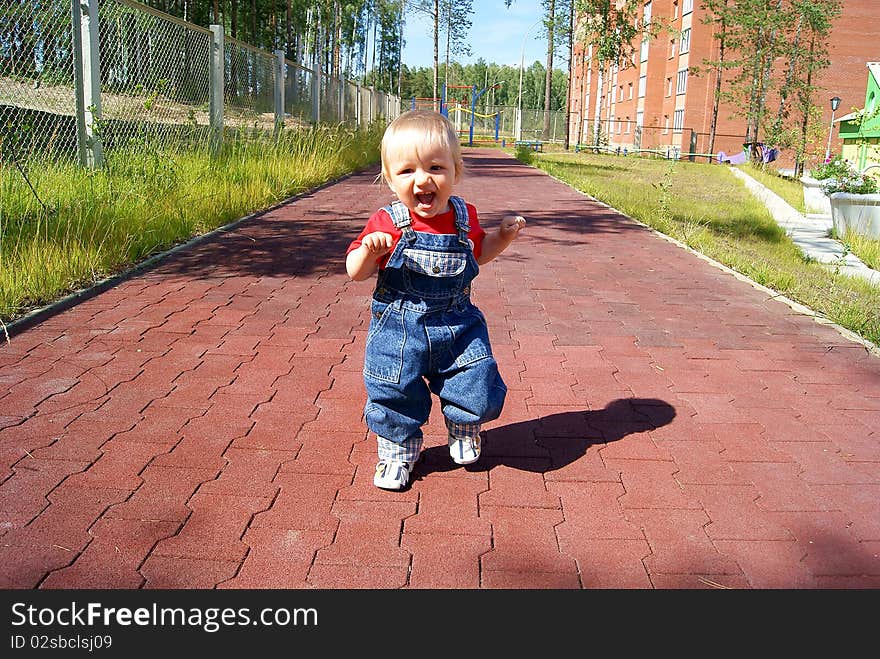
(79, 77)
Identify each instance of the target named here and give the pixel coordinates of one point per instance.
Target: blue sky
(497, 35)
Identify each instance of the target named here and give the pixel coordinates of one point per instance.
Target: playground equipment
(475, 95)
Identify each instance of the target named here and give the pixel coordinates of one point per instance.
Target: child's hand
(377, 243)
(511, 225)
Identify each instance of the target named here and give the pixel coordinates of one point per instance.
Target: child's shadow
(551, 442)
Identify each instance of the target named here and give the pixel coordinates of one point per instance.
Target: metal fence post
(87, 75)
(216, 88)
(316, 89)
(358, 106)
(340, 99)
(279, 91)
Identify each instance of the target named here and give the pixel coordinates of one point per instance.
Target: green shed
(860, 131)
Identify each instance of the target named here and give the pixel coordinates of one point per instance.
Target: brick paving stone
(517, 488)
(770, 564)
(444, 558)
(448, 508)
(65, 522)
(185, 572)
(356, 577)
(215, 527)
(679, 543)
(734, 513)
(163, 494)
(529, 579)
(823, 537)
(785, 491)
(609, 563)
(860, 505)
(279, 558)
(592, 510)
(524, 541)
(304, 502)
(368, 535)
(112, 558)
(26, 569)
(651, 484)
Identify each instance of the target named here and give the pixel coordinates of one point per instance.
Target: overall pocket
(471, 336)
(383, 354)
(433, 274)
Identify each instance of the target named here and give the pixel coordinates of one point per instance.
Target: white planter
(856, 212)
(815, 199)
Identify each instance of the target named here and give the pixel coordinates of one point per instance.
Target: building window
(630, 91)
(643, 84)
(640, 119)
(669, 86)
(687, 6)
(675, 10)
(671, 48)
(626, 126)
(685, 41)
(681, 82)
(646, 15)
(643, 51)
(665, 123)
(678, 121)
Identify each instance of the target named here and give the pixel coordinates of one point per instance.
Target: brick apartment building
(658, 104)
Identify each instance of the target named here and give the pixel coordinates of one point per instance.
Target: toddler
(425, 334)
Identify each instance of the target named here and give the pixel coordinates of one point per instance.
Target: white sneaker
(465, 450)
(392, 474)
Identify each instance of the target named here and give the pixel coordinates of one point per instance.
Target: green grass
(866, 249)
(707, 208)
(790, 189)
(90, 225)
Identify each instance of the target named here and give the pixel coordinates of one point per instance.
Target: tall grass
(790, 189)
(82, 226)
(707, 208)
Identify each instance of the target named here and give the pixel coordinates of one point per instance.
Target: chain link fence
(625, 137)
(82, 77)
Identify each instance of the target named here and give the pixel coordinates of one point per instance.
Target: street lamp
(522, 54)
(835, 103)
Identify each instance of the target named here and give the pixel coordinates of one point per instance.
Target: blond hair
(421, 127)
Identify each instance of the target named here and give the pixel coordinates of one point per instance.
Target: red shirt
(444, 223)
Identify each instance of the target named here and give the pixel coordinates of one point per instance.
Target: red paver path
(668, 425)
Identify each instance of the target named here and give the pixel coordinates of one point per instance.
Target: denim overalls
(424, 327)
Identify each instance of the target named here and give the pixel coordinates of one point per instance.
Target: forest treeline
(500, 82)
(362, 40)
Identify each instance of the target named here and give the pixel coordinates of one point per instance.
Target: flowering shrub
(851, 182)
(837, 167)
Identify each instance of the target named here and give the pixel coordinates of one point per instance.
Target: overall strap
(462, 220)
(399, 214)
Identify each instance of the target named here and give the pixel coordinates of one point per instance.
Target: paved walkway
(668, 424)
(809, 232)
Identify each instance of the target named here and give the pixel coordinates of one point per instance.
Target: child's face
(421, 176)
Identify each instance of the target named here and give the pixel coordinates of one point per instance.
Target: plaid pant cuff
(406, 451)
(462, 430)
